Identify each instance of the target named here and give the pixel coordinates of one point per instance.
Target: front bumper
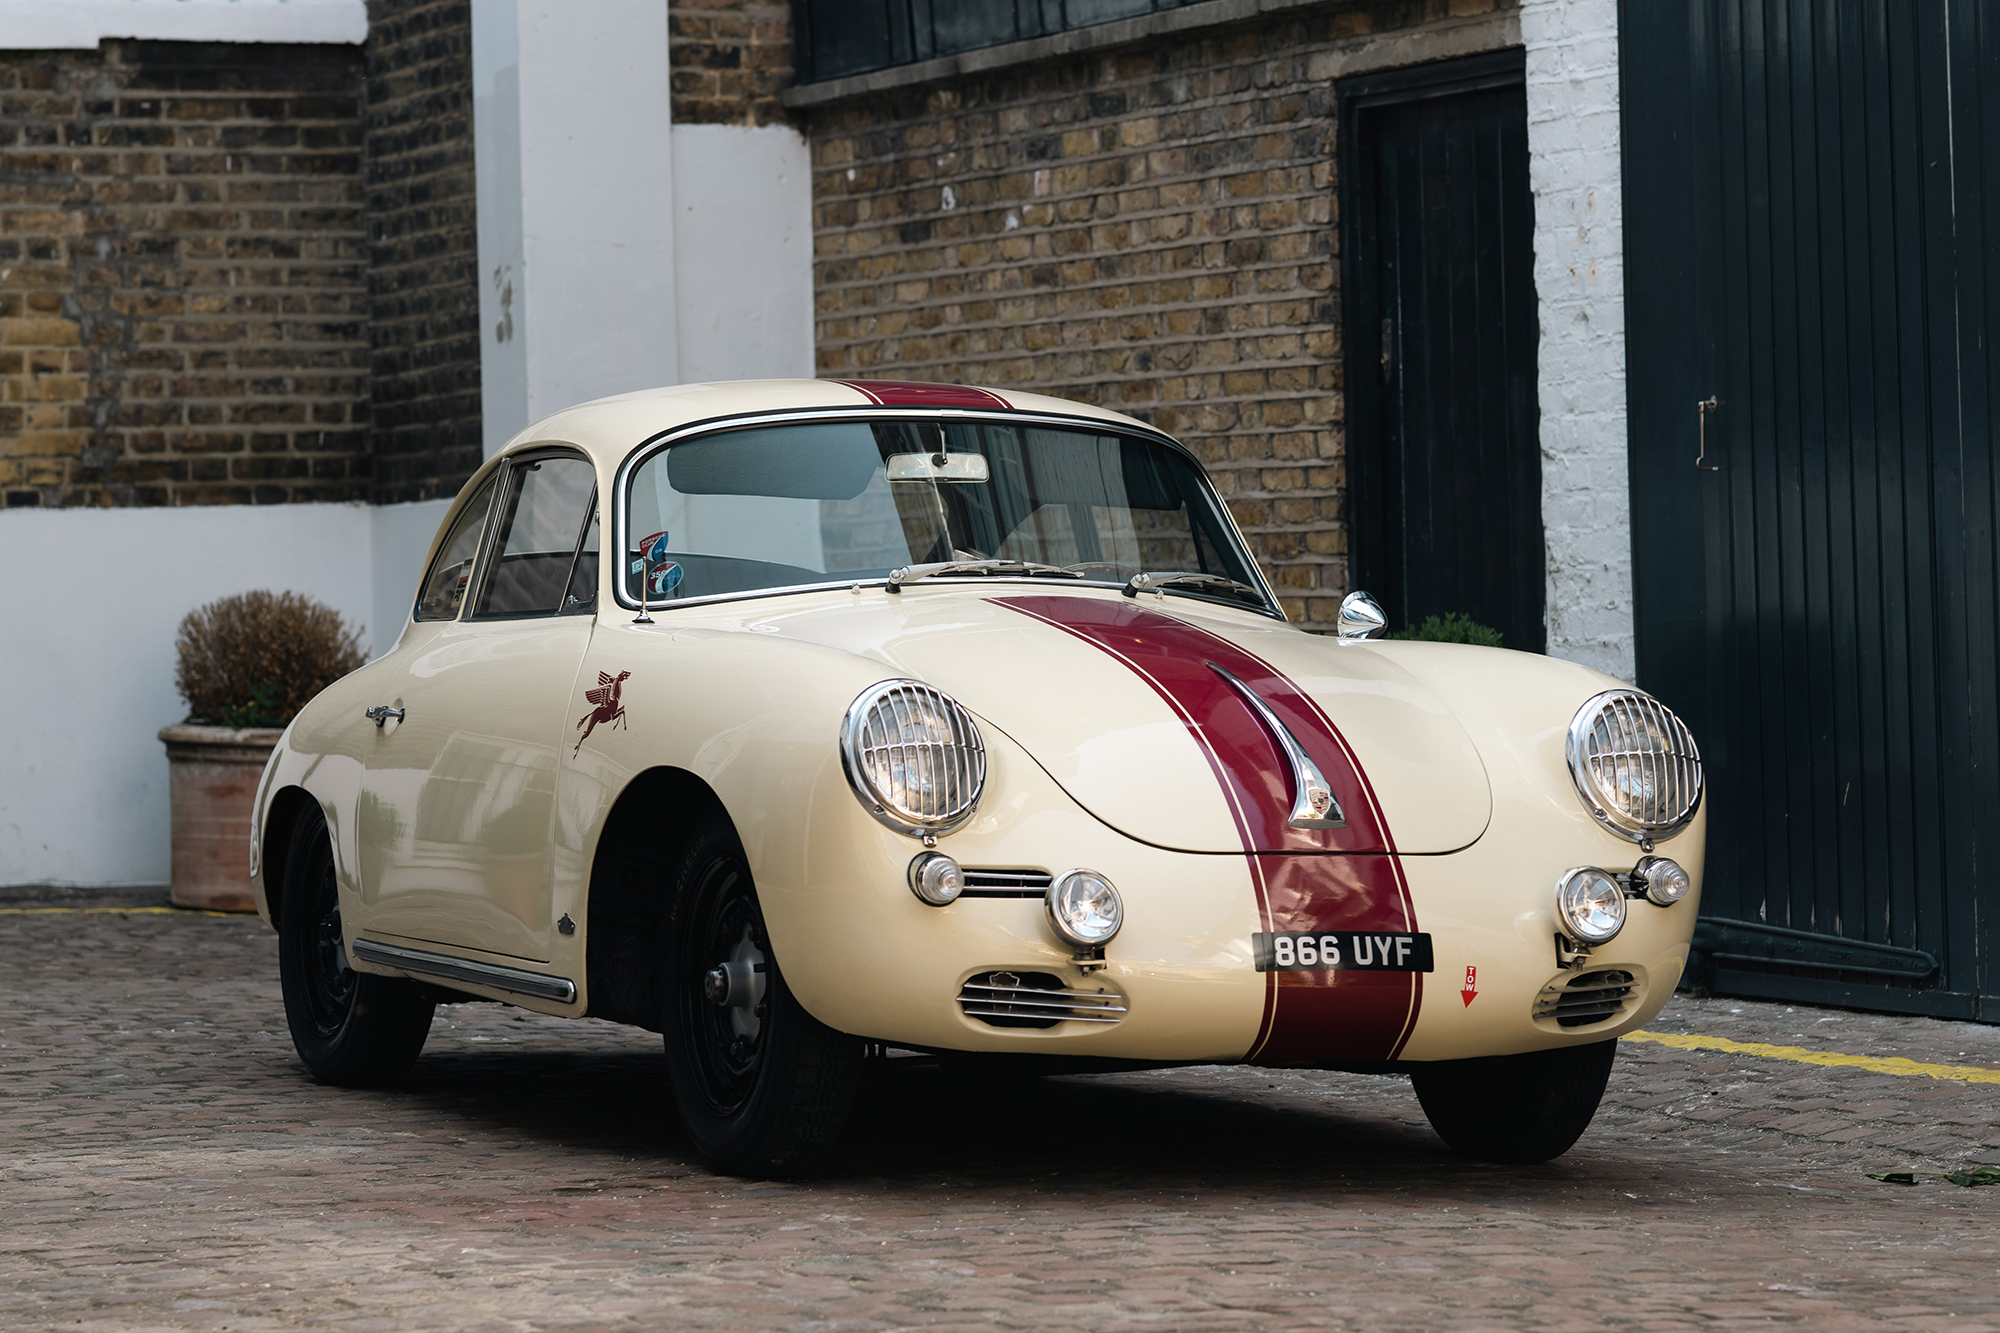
(865, 956)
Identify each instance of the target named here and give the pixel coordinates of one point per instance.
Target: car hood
(1122, 702)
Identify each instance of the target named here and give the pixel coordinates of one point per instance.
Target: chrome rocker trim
(429, 964)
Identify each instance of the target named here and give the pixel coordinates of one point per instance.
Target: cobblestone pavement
(168, 1166)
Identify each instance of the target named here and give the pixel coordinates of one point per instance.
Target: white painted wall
(572, 145)
(743, 252)
(81, 24)
(90, 675)
(88, 663)
(399, 537)
(1573, 169)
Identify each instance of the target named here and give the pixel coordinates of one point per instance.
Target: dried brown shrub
(253, 660)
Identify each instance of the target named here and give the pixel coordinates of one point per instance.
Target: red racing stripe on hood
(915, 393)
(1309, 1017)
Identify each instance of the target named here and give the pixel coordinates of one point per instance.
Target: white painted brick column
(1573, 169)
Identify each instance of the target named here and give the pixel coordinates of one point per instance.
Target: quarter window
(443, 591)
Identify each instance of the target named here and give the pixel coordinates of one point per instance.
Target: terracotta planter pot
(212, 775)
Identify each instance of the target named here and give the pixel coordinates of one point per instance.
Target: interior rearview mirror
(937, 467)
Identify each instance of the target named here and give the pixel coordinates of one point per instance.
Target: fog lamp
(936, 878)
(1589, 905)
(1084, 908)
(1662, 879)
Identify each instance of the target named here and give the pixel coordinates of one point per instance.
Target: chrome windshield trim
(1313, 802)
(615, 533)
(421, 961)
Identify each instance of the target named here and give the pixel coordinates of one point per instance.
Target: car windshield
(839, 501)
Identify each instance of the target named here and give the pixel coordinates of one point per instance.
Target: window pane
(837, 501)
(445, 588)
(539, 524)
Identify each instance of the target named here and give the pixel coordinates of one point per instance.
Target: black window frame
(909, 32)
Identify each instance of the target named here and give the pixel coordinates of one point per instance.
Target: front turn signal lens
(1663, 880)
(936, 879)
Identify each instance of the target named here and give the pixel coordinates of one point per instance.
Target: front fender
(317, 754)
(1492, 906)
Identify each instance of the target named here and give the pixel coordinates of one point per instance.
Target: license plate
(1341, 951)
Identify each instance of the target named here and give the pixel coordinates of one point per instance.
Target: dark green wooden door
(1438, 270)
(1808, 240)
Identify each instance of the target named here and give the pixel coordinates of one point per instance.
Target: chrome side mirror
(1361, 617)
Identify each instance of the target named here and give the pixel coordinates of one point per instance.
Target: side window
(540, 520)
(444, 589)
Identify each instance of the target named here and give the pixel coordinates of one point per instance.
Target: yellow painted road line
(121, 911)
(1876, 1064)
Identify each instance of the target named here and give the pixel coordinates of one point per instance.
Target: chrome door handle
(381, 713)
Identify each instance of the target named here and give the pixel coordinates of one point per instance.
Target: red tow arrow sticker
(1471, 986)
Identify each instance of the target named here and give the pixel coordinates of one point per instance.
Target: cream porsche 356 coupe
(799, 720)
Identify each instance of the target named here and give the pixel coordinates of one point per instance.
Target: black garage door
(1809, 244)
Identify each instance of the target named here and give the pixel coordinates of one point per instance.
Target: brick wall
(423, 248)
(729, 59)
(182, 286)
(1151, 229)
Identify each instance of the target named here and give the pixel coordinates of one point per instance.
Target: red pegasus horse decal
(608, 709)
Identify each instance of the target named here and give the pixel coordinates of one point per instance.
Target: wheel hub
(736, 985)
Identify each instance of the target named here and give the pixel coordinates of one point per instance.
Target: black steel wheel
(350, 1028)
(762, 1086)
(1516, 1108)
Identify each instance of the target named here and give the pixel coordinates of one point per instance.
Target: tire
(350, 1028)
(763, 1087)
(1516, 1108)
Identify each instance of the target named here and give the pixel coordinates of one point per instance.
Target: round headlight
(913, 757)
(1635, 765)
(1589, 905)
(936, 878)
(1664, 881)
(1084, 908)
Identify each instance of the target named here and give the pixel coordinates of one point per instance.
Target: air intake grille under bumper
(1035, 1000)
(1586, 998)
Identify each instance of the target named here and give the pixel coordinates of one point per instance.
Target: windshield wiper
(1187, 580)
(946, 569)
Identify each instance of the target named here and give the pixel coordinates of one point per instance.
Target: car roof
(609, 428)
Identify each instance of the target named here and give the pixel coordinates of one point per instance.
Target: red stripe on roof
(916, 393)
(1309, 1017)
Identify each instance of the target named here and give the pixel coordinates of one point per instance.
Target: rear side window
(444, 590)
(543, 516)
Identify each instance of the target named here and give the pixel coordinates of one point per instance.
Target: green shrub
(253, 660)
(1453, 628)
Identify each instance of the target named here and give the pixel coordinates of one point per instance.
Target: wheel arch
(627, 903)
(279, 818)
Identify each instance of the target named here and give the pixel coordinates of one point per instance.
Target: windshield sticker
(664, 579)
(608, 709)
